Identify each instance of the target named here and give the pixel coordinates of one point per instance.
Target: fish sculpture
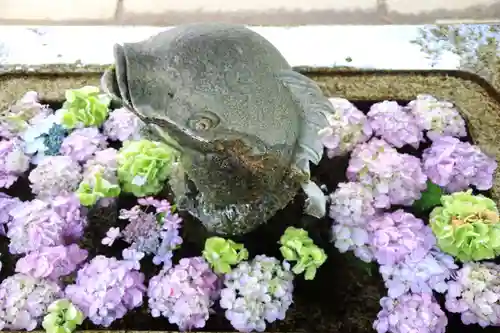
(245, 124)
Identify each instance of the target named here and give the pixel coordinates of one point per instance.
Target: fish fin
(316, 200)
(316, 110)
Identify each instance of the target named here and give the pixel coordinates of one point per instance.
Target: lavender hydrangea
(438, 118)
(419, 276)
(394, 124)
(351, 208)
(257, 292)
(106, 288)
(456, 165)
(123, 125)
(55, 175)
(7, 204)
(153, 232)
(24, 300)
(36, 224)
(399, 235)
(348, 127)
(184, 293)
(13, 162)
(410, 313)
(82, 143)
(52, 262)
(393, 178)
(475, 294)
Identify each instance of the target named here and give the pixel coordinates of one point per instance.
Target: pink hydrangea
(419, 313)
(7, 203)
(24, 301)
(52, 262)
(82, 143)
(184, 293)
(456, 165)
(123, 125)
(106, 288)
(394, 124)
(13, 162)
(399, 235)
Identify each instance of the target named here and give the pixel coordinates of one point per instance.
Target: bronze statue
(246, 125)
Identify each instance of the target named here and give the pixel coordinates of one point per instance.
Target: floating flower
(123, 125)
(62, 317)
(82, 143)
(55, 175)
(111, 235)
(84, 107)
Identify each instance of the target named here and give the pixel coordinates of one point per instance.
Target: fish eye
(203, 122)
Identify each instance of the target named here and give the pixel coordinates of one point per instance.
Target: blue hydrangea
(54, 139)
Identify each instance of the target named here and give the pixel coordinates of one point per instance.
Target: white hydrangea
(439, 118)
(475, 293)
(123, 125)
(257, 292)
(421, 276)
(55, 175)
(351, 207)
(24, 300)
(347, 128)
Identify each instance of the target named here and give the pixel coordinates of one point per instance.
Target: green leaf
(430, 198)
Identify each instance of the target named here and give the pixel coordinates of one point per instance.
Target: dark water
(342, 298)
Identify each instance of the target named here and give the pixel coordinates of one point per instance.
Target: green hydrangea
(85, 106)
(143, 166)
(222, 253)
(296, 245)
(62, 317)
(96, 188)
(466, 226)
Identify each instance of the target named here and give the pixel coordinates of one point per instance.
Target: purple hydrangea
(351, 208)
(153, 232)
(52, 262)
(419, 276)
(394, 124)
(257, 292)
(410, 313)
(55, 175)
(475, 294)
(106, 288)
(7, 203)
(184, 293)
(438, 118)
(13, 162)
(36, 224)
(393, 178)
(347, 127)
(123, 125)
(82, 143)
(456, 165)
(24, 301)
(399, 235)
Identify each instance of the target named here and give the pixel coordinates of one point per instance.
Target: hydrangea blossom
(184, 293)
(347, 127)
(438, 118)
(475, 294)
(82, 143)
(419, 276)
(52, 262)
(399, 235)
(410, 313)
(35, 133)
(13, 162)
(394, 178)
(394, 124)
(351, 208)
(123, 125)
(456, 165)
(36, 224)
(15, 119)
(257, 292)
(106, 288)
(54, 139)
(24, 300)
(7, 203)
(153, 233)
(55, 175)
